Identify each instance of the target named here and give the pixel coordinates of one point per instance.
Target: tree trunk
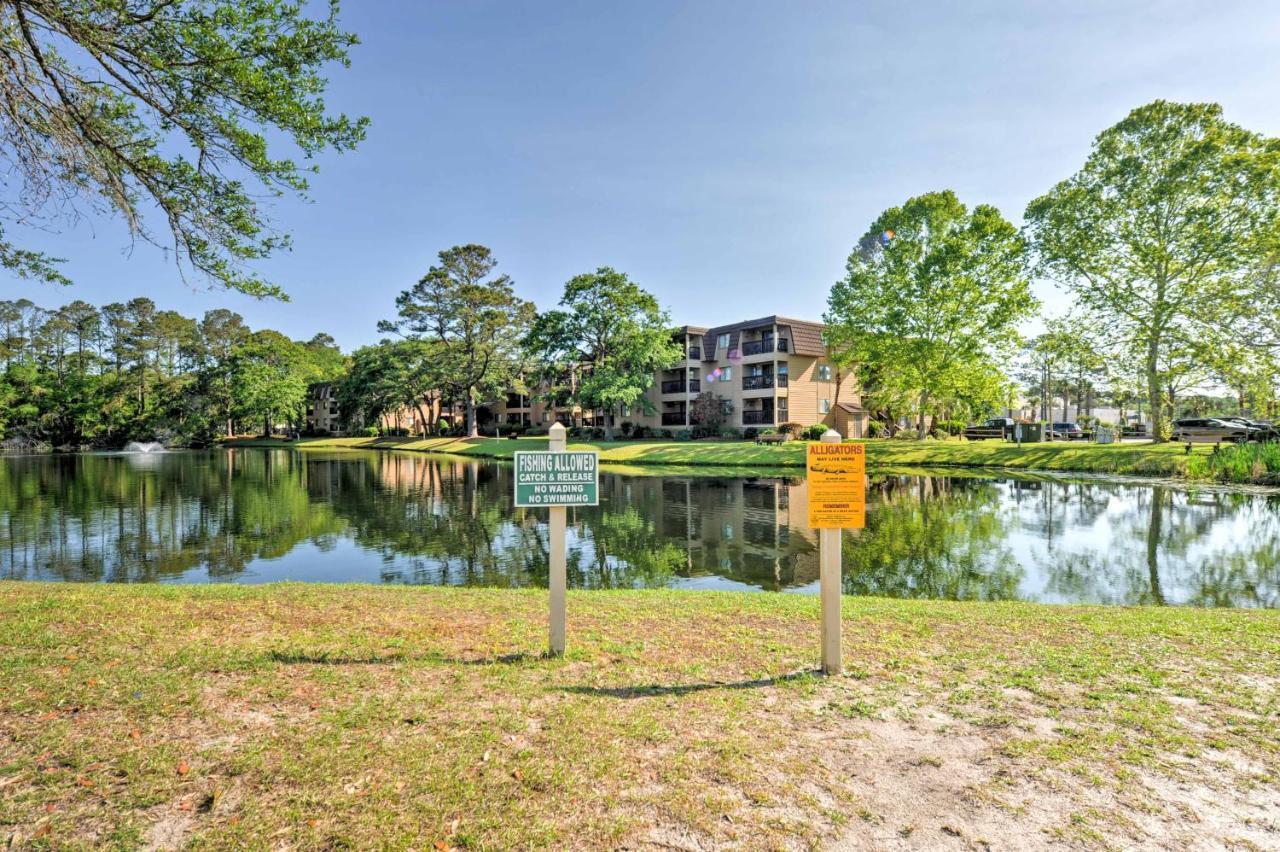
(266, 425)
(1153, 387)
(473, 428)
(1066, 399)
(423, 418)
(1153, 545)
(924, 402)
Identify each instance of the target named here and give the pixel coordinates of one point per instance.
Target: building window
(824, 406)
(722, 342)
(824, 372)
(726, 374)
(626, 411)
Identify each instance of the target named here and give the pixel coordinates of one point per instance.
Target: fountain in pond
(144, 447)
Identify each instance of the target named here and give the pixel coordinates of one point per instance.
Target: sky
(726, 155)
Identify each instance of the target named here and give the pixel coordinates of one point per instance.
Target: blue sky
(726, 155)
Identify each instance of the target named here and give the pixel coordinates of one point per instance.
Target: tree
(391, 375)
(932, 292)
(135, 106)
(269, 379)
(708, 410)
(616, 331)
(1168, 231)
(477, 320)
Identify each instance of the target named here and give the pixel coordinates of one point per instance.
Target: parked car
(1211, 429)
(1066, 432)
(1264, 431)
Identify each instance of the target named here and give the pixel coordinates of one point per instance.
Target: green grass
(1239, 463)
(370, 717)
(1141, 459)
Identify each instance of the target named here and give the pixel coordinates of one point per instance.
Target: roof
(806, 336)
(850, 407)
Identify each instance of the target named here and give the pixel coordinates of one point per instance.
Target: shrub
(369, 431)
(533, 431)
(750, 433)
(906, 435)
(790, 428)
(814, 432)
(664, 434)
(949, 427)
(627, 428)
(684, 435)
(731, 433)
(641, 432)
(875, 429)
(443, 426)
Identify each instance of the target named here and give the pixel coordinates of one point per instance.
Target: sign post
(556, 479)
(837, 500)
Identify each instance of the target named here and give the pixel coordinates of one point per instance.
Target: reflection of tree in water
(440, 520)
(932, 537)
(1170, 546)
(97, 517)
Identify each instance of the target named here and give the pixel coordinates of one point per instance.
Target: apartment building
(766, 372)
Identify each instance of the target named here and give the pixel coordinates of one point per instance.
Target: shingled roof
(806, 337)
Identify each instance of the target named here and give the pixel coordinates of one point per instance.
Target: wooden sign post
(837, 500)
(556, 479)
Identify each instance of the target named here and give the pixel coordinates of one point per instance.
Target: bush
(906, 435)
(875, 429)
(814, 432)
(750, 433)
(641, 432)
(949, 427)
(684, 435)
(443, 426)
(627, 428)
(664, 434)
(533, 431)
(369, 431)
(790, 429)
(731, 433)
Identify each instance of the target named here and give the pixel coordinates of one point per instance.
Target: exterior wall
(764, 402)
(323, 413)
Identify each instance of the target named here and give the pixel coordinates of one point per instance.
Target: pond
(251, 516)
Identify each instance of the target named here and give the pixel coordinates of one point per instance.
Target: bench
(771, 439)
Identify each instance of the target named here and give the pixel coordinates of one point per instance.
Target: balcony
(757, 418)
(695, 386)
(678, 386)
(695, 353)
(673, 418)
(757, 382)
(757, 347)
(782, 380)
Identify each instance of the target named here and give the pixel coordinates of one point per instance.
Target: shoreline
(1163, 462)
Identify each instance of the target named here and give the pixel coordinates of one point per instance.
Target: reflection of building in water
(748, 530)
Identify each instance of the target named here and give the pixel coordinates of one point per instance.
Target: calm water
(250, 516)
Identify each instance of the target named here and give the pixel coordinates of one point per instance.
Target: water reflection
(259, 515)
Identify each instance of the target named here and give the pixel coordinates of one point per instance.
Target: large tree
(1169, 233)
(477, 319)
(931, 299)
(161, 111)
(616, 331)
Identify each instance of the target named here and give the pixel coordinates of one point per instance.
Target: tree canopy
(1169, 233)
(477, 320)
(932, 297)
(161, 111)
(615, 331)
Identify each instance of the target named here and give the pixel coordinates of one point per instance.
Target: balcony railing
(757, 382)
(678, 386)
(757, 347)
(782, 380)
(695, 353)
(782, 344)
(757, 418)
(695, 385)
(673, 418)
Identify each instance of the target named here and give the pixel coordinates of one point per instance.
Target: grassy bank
(1167, 460)
(331, 716)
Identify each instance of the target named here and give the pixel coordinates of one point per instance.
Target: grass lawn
(311, 716)
(1145, 459)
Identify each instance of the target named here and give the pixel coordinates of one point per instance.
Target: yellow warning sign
(837, 486)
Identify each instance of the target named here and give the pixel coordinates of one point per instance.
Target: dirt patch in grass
(317, 716)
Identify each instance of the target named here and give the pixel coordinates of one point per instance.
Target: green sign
(557, 479)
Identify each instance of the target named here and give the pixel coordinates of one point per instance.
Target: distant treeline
(80, 375)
